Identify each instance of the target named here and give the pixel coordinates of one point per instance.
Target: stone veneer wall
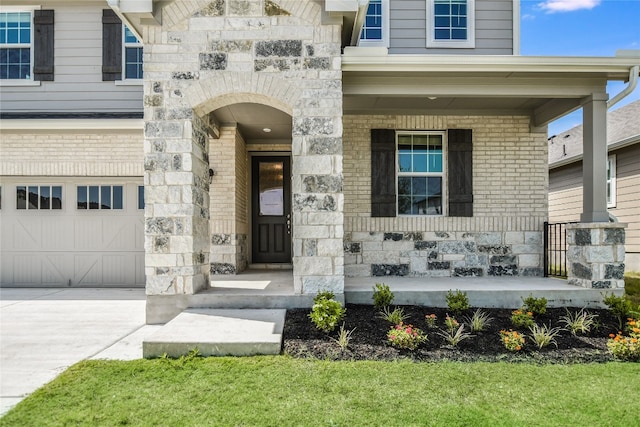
(595, 255)
(504, 237)
(228, 202)
(207, 55)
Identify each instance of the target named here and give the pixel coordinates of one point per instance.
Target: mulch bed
(369, 342)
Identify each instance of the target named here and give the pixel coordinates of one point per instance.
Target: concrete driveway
(44, 331)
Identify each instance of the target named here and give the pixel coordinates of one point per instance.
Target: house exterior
(336, 138)
(623, 176)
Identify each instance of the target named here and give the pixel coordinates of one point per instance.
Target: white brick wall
(71, 153)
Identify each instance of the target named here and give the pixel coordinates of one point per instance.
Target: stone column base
(595, 255)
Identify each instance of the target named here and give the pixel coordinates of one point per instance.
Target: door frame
(252, 155)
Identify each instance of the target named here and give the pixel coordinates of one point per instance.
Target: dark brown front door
(271, 205)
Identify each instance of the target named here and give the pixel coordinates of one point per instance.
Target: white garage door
(71, 232)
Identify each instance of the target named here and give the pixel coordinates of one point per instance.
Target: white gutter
(71, 124)
(633, 82)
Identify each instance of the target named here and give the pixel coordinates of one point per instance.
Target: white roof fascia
(615, 68)
(71, 124)
(611, 147)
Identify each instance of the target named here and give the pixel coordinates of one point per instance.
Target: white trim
(469, 43)
(611, 147)
(384, 41)
(25, 8)
(129, 82)
(516, 27)
(137, 45)
(611, 181)
(79, 124)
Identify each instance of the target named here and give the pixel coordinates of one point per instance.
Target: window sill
(8, 83)
(451, 44)
(132, 82)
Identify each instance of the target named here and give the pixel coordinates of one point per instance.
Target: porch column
(176, 212)
(594, 164)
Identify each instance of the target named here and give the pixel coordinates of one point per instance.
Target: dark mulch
(368, 342)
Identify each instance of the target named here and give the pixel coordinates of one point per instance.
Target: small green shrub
(521, 318)
(620, 307)
(382, 295)
(543, 335)
(395, 316)
(453, 337)
(406, 336)
(579, 322)
(344, 337)
(326, 312)
(479, 320)
(535, 305)
(457, 302)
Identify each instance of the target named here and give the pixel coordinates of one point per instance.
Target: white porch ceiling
(252, 119)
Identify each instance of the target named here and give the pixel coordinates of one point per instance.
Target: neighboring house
(406, 137)
(623, 176)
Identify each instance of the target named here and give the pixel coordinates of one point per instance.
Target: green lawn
(281, 391)
(632, 287)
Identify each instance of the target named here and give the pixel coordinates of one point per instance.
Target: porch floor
(274, 289)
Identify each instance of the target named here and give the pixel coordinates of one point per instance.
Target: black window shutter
(43, 45)
(383, 173)
(460, 174)
(111, 46)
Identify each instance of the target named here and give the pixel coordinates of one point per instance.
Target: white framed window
(16, 44)
(132, 54)
(102, 197)
(375, 28)
(38, 197)
(611, 181)
(451, 23)
(420, 173)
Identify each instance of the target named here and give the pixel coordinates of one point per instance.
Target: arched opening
(250, 193)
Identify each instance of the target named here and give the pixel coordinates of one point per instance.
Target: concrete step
(218, 332)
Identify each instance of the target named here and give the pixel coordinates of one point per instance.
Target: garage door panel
(119, 235)
(54, 268)
(87, 270)
(87, 234)
(27, 269)
(56, 233)
(26, 233)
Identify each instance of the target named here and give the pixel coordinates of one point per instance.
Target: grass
(278, 390)
(632, 287)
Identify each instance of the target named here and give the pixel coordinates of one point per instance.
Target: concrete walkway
(44, 331)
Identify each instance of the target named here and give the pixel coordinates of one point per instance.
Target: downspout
(633, 82)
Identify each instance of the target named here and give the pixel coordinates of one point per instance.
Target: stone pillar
(318, 251)
(176, 206)
(594, 164)
(595, 255)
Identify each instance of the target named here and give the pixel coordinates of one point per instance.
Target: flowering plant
(626, 347)
(521, 318)
(431, 320)
(405, 336)
(512, 340)
(451, 323)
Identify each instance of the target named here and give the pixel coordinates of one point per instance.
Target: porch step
(216, 332)
(486, 292)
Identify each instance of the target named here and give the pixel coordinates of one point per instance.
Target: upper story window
(420, 173)
(375, 29)
(451, 23)
(132, 53)
(16, 52)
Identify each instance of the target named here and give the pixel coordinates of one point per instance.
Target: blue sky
(580, 28)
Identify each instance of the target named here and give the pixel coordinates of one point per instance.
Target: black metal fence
(555, 249)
